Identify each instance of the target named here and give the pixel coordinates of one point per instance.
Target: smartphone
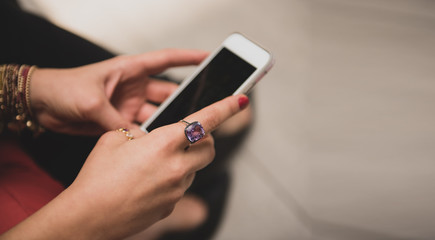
(233, 68)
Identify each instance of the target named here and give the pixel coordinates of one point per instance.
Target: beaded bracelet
(15, 112)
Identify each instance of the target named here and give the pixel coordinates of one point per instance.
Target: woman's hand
(126, 186)
(107, 95)
(149, 174)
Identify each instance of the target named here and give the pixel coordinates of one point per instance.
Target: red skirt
(24, 187)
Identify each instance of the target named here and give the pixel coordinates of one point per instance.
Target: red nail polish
(243, 102)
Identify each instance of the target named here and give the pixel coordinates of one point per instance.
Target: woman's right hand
(126, 186)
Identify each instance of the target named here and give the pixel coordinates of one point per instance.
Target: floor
(343, 144)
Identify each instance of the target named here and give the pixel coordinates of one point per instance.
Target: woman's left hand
(107, 95)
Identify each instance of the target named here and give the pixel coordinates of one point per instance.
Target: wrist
(36, 101)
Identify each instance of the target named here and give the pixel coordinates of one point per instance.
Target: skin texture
(124, 186)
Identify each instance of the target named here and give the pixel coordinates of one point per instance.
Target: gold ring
(126, 132)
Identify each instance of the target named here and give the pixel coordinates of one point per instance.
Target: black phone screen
(223, 75)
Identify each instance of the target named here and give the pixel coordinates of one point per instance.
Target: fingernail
(243, 102)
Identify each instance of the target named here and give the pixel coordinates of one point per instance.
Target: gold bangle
(29, 78)
(15, 109)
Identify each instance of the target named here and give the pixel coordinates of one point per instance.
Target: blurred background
(343, 143)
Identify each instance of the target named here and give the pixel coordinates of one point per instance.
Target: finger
(209, 117)
(200, 154)
(189, 180)
(145, 112)
(214, 115)
(157, 90)
(173, 136)
(109, 118)
(158, 61)
(120, 136)
(130, 133)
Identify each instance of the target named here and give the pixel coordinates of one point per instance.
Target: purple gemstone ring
(194, 131)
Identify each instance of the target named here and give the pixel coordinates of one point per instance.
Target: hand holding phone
(233, 68)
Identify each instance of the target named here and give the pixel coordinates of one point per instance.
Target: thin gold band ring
(126, 132)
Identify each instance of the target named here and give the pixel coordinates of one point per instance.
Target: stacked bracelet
(15, 112)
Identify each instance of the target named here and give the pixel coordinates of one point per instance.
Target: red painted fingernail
(243, 102)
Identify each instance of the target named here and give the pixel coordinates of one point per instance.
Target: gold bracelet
(2, 96)
(29, 77)
(15, 108)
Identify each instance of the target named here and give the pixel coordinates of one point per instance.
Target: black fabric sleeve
(29, 39)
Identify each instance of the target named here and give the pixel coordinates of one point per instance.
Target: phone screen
(223, 75)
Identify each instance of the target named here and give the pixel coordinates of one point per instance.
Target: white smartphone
(233, 68)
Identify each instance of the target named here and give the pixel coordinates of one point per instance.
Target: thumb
(110, 119)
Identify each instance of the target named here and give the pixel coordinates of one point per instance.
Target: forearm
(65, 217)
